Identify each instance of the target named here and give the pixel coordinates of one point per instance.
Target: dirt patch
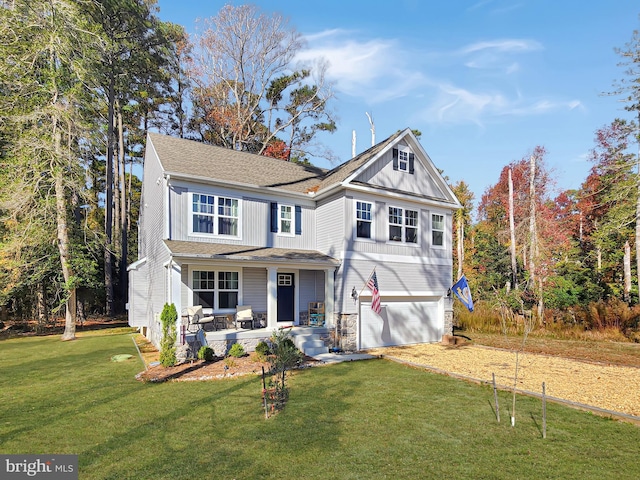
(603, 385)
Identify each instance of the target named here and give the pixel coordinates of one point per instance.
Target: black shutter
(411, 158)
(298, 220)
(274, 217)
(395, 158)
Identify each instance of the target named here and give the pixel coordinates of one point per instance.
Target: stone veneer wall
(448, 322)
(347, 331)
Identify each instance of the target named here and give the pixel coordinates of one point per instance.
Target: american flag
(375, 293)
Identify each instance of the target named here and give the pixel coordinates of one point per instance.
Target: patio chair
(196, 319)
(244, 316)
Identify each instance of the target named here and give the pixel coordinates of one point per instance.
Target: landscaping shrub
(206, 353)
(236, 350)
(168, 319)
(262, 349)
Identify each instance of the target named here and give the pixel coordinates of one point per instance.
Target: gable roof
(196, 159)
(208, 162)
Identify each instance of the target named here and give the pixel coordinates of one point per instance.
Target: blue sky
(485, 81)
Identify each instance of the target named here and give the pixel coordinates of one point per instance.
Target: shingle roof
(201, 160)
(342, 172)
(247, 253)
(197, 159)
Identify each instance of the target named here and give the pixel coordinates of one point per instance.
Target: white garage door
(401, 322)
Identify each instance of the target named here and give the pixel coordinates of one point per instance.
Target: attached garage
(402, 321)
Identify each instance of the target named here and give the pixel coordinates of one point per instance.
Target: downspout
(167, 208)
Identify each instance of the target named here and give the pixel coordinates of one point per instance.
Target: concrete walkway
(342, 357)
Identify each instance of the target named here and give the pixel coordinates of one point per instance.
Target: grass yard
(369, 419)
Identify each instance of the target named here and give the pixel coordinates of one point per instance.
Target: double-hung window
(286, 219)
(215, 215)
(363, 219)
(437, 230)
(403, 225)
(215, 290)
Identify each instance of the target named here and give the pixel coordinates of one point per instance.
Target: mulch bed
(218, 369)
(201, 370)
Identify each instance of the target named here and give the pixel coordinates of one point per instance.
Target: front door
(286, 303)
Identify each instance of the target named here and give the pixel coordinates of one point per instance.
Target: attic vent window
(403, 160)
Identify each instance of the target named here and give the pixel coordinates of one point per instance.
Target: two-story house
(221, 228)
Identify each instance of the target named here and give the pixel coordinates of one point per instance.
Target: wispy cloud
(503, 45)
(456, 105)
(382, 69)
(376, 69)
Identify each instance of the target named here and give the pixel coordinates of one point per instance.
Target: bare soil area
(608, 386)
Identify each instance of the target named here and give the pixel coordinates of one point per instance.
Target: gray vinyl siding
(399, 278)
(254, 217)
(254, 288)
(138, 294)
(331, 225)
(311, 287)
(152, 231)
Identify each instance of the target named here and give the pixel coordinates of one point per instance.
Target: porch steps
(310, 344)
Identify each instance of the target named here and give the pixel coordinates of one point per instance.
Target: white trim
(443, 231)
(292, 220)
(372, 230)
(390, 258)
(384, 194)
(137, 264)
(403, 226)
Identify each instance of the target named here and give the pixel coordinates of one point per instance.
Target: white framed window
(403, 225)
(215, 215)
(437, 230)
(217, 290)
(363, 219)
(403, 161)
(285, 280)
(286, 220)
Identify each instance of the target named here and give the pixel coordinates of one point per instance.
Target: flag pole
(365, 283)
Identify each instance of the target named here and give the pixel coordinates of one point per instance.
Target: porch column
(272, 298)
(329, 297)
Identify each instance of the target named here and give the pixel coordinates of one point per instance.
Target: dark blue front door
(286, 289)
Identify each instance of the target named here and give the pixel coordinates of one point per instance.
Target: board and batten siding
(399, 279)
(254, 288)
(382, 174)
(311, 284)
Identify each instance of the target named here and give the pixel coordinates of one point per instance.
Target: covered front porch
(281, 288)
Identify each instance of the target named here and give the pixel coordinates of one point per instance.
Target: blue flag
(461, 289)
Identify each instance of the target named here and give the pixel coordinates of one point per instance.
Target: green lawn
(360, 420)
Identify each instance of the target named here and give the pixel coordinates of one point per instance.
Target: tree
(136, 53)
(629, 88)
(43, 80)
(608, 201)
(246, 93)
(462, 219)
